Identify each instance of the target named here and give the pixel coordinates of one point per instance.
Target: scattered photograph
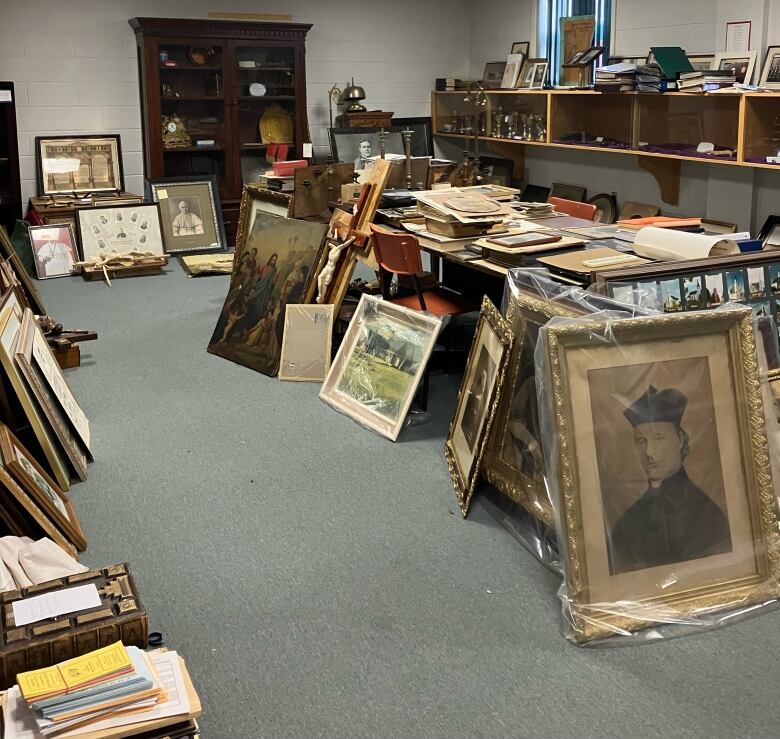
(762, 309)
(670, 296)
(714, 286)
(756, 283)
(735, 286)
(774, 279)
(693, 292)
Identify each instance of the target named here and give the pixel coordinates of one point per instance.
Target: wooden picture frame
(11, 316)
(46, 400)
(48, 498)
(28, 290)
(700, 62)
(492, 75)
(371, 348)
(306, 345)
(95, 153)
(681, 376)
(120, 228)
(539, 77)
(520, 47)
(55, 250)
(200, 194)
(770, 72)
(478, 400)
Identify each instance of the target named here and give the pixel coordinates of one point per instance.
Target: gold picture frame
(478, 400)
(602, 599)
(256, 199)
(52, 506)
(526, 314)
(27, 287)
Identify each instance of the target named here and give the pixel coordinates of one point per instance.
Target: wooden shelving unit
(644, 125)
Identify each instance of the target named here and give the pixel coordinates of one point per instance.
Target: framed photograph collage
(700, 284)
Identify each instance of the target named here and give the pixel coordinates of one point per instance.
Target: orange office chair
(398, 253)
(587, 211)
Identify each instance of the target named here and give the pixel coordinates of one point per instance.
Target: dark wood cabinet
(219, 78)
(10, 184)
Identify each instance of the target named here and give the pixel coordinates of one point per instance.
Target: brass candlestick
(407, 136)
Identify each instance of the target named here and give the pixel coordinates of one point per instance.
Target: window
(549, 27)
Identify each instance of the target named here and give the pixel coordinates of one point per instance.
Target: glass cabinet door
(192, 103)
(265, 104)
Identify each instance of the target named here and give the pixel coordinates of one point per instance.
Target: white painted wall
(75, 70)
(494, 25)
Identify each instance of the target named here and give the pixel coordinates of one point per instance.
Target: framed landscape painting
(380, 363)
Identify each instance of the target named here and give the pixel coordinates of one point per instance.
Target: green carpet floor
(318, 579)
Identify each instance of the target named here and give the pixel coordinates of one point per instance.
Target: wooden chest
(62, 210)
(120, 617)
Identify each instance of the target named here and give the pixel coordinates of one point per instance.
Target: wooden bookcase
(642, 124)
(201, 71)
(10, 184)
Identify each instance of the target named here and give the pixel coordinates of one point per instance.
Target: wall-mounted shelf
(664, 126)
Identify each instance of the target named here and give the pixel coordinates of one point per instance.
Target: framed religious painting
(54, 250)
(256, 199)
(79, 164)
(51, 504)
(190, 213)
(647, 416)
(275, 266)
(477, 402)
(120, 229)
(380, 363)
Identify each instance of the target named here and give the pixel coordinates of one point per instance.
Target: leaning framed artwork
(48, 498)
(254, 200)
(54, 250)
(380, 363)
(120, 228)
(28, 290)
(770, 74)
(77, 164)
(190, 213)
(648, 415)
(477, 402)
(275, 266)
(306, 344)
(741, 64)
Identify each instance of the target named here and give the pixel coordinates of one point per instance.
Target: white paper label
(57, 603)
(308, 151)
(6, 96)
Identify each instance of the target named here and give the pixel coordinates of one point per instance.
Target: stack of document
(649, 78)
(99, 685)
(615, 77)
(528, 209)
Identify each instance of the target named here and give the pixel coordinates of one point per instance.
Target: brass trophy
(174, 134)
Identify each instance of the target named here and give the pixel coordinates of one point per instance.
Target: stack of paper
(615, 78)
(533, 210)
(99, 685)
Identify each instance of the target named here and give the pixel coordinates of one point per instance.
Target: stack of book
(112, 681)
(530, 210)
(615, 78)
(705, 81)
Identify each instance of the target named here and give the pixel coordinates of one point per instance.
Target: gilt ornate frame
(464, 476)
(592, 620)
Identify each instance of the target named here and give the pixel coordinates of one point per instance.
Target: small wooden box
(368, 119)
(120, 617)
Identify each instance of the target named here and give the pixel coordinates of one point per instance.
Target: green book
(672, 60)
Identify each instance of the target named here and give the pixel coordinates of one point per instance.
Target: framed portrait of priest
(660, 461)
(190, 213)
